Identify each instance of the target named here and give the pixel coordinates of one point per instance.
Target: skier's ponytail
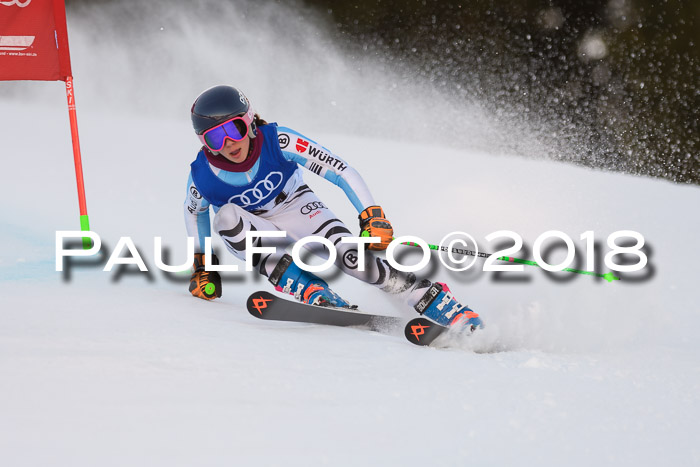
(259, 121)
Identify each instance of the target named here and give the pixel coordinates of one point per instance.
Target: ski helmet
(218, 104)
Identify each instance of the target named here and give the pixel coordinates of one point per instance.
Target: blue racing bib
(273, 173)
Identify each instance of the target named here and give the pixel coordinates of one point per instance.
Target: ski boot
(289, 278)
(436, 302)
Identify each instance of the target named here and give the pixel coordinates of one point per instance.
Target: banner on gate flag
(34, 40)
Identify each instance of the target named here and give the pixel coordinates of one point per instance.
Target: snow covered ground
(109, 369)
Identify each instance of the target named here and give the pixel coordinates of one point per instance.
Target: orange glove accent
(205, 284)
(374, 224)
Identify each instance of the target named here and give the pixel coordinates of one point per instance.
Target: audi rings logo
(311, 207)
(259, 192)
(19, 3)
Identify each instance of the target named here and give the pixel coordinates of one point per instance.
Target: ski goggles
(235, 129)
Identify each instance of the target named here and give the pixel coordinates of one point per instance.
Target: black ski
(264, 305)
(422, 331)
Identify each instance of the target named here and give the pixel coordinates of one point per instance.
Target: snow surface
(129, 369)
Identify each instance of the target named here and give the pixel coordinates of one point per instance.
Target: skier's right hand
(205, 284)
(373, 223)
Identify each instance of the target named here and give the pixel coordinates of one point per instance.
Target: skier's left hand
(374, 224)
(205, 284)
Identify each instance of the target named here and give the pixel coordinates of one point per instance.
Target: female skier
(248, 171)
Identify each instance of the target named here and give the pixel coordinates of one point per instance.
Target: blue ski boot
(289, 278)
(438, 304)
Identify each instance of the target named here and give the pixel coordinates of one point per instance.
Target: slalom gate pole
(608, 276)
(84, 220)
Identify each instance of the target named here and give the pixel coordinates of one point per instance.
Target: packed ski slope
(128, 369)
(115, 370)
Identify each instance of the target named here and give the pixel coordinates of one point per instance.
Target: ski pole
(608, 276)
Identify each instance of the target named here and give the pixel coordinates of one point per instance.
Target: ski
(265, 305)
(422, 331)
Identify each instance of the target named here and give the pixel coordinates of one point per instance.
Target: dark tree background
(609, 83)
(618, 79)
